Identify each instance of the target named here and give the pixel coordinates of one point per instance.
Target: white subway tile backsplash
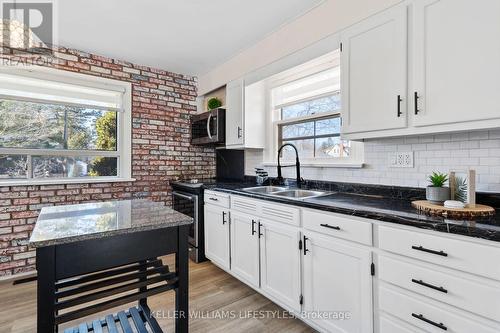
(458, 151)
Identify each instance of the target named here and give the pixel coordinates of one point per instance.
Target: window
(306, 113)
(317, 137)
(63, 128)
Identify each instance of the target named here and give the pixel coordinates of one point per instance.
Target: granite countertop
(352, 200)
(71, 223)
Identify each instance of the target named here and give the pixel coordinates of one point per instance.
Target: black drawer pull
(423, 249)
(260, 234)
(213, 199)
(253, 227)
(428, 285)
(330, 226)
(224, 217)
(428, 321)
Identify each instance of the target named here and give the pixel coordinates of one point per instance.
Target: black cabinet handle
(213, 199)
(239, 132)
(224, 217)
(260, 234)
(253, 227)
(330, 226)
(423, 249)
(428, 285)
(305, 245)
(416, 102)
(428, 321)
(399, 106)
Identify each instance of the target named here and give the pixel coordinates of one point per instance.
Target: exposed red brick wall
(162, 103)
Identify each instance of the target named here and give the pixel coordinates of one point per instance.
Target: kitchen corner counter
(396, 210)
(71, 223)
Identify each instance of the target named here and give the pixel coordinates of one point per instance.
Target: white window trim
(124, 129)
(356, 160)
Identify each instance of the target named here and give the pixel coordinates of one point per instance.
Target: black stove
(187, 198)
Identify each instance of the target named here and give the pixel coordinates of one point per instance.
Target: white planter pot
(437, 195)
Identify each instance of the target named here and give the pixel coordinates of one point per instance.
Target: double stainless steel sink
(284, 192)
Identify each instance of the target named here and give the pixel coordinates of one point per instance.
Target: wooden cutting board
(456, 213)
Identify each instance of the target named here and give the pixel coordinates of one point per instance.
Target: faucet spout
(297, 164)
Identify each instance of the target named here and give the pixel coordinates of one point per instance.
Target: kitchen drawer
(338, 225)
(463, 255)
(244, 205)
(280, 213)
(427, 316)
(217, 198)
(266, 209)
(391, 326)
(480, 298)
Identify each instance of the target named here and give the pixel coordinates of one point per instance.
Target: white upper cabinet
(234, 112)
(374, 73)
(245, 109)
(456, 61)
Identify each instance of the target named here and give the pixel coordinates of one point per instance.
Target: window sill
(32, 182)
(354, 165)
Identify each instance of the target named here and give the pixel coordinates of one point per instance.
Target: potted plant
(214, 103)
(437, 193)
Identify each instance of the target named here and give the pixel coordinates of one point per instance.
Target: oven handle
(188, 197)
(208, 126)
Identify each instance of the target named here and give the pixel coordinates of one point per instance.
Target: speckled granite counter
(382, 203)
(70, 223)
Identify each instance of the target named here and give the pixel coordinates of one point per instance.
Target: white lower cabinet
(337, 281)
(280, 262)
(245, 248)
(217, 235)
(428, 315)
(320, 265)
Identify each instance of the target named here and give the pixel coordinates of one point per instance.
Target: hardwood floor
(212, 293)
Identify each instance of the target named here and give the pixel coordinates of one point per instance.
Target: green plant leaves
(438, 179)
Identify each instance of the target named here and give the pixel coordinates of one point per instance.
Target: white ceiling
(183, 36)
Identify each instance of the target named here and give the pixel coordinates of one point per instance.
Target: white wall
(478, 150)
(322, 21)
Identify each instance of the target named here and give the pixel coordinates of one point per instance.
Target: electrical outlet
(401, 160)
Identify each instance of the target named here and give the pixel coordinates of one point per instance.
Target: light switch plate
(401, 160)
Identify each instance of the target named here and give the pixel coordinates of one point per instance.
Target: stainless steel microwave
(209, 128)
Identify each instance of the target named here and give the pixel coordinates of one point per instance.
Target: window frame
(356, 157)
(123, 133)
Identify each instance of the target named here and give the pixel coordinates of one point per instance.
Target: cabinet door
(457, 66)
(337, 278)
(245, 248)
(374, 73)
(234, 113)
(217, 235)
(280, 263)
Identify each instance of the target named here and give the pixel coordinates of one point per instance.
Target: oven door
(187, 203)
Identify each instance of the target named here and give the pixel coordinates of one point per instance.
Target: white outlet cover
(401, 160)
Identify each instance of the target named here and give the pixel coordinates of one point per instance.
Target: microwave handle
(208, 126)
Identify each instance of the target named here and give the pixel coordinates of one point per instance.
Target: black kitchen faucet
(297, 164)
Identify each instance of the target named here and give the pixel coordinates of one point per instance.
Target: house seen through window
(307, 114)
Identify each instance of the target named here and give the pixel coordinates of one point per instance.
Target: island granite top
(71, 223)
